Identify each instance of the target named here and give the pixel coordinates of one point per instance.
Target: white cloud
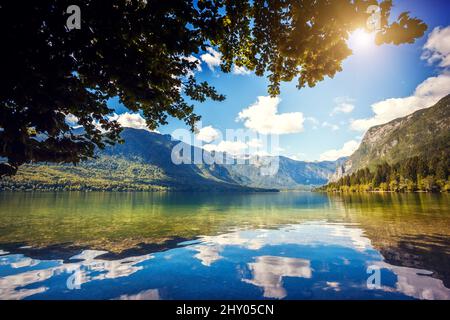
(348, 148)
(239, 148)
(262, 117)
(131, 120)
(255, 143)
(333, 127)
(426, 94)
(207, 134)
(240, 70)
(127, 119)
(342, 105)
(212, 58)
(437, 47)
(298, 157)
(230, 147)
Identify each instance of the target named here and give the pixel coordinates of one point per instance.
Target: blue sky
(336, 113)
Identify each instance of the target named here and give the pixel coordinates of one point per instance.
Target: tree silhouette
(141, 52)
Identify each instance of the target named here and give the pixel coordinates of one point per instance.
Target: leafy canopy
(141, 52)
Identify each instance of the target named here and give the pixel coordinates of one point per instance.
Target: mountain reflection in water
(282, 246)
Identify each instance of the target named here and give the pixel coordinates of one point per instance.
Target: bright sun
(361, 40)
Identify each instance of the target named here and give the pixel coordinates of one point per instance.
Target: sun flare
(361, 40)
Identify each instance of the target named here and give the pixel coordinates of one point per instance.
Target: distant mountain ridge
(421, 133)
(143, 162)
(156, 149)
(291, 174)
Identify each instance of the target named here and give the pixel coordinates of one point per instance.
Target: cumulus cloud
(212, 58)
(253, 147)
(230, 147)
(342, 105)
(207, 134)
(426, 94)
(347, 149)
(130, 120)
(255, 143)
(263, 118)
(240, 70)
(437, 47)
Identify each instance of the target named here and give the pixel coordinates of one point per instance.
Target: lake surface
(224, 246)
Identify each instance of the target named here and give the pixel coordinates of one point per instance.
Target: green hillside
(406, 154)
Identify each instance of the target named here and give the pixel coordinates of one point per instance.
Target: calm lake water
(224, 246)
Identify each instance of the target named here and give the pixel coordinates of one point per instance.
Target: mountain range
(420, 134)
(143, 162)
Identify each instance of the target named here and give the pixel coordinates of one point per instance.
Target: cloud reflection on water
(417, 283)
(268, 273)
(311, 234)
(90, 268)
(151, 294)
(270, 257)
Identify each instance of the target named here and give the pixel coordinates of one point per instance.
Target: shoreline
(380, 191)
(262, 191)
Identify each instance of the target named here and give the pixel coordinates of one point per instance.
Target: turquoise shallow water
(224, 246)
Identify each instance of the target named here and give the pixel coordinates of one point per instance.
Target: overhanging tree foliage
(140, 52)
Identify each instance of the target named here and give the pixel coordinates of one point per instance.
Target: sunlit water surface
(224, 246)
